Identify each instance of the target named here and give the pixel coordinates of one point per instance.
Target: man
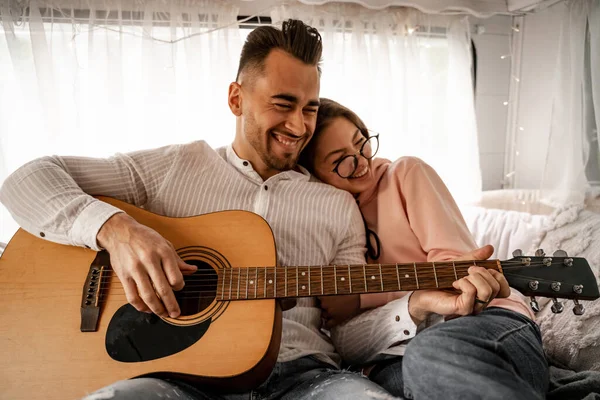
(275, 100)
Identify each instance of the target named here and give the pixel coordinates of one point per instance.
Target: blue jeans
(495, 355)
(302, 379)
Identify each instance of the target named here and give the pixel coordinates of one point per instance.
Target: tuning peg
(557, 307)
(578, 309)
(560, 253)
(518, 253)
(534, 304)
(539, 253)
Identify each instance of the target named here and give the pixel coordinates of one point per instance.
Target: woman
(409, 214)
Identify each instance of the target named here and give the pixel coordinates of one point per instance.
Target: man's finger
(467, 296)
(148, 295)
(489, 278)
(185, 268)
(501, 279)
(172, 271)
(163, 289)
(133, 297)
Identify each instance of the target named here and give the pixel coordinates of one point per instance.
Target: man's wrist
(109, 230)
(418, 312)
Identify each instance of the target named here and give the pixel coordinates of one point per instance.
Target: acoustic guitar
(67, 329)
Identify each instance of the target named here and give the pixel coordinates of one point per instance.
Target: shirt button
(42, 234)
(397, 318)
(245, 163)
(406, 332)
(266, 187)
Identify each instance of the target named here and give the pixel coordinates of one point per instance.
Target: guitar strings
(324, 288)
(213, 276)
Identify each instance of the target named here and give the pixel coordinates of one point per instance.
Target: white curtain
(97, 77)
(576, 106)
(478, 8)
(126, 75)
(408, 76)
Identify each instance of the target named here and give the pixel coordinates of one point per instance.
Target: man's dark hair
(295, 38)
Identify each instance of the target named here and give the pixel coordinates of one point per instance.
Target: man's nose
(295, 123)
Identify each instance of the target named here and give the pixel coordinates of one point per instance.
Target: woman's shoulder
(400, 168)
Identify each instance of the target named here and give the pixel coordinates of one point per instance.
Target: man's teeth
(286, 142)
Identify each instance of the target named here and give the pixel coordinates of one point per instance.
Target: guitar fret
(365, 274)
(398, 276)
(416, 278)
(380, 277)
(309, 280)
(223, 288)
(350, 278)
(247, 272)
(255, 280)
(297, 294)
(335, 278)
(454, 267)
(239, 276)
(275, 281)
(435, 274)
(265, 292)
(322, 280)
(230, 283)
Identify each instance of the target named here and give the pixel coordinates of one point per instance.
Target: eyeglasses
(347, 165)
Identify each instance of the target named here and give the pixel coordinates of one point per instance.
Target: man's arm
(51, 197)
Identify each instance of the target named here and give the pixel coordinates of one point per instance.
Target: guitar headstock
(556, 276)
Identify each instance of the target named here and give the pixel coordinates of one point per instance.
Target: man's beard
(263, 148)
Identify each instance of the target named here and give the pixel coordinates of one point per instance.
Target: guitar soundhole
(200, 289)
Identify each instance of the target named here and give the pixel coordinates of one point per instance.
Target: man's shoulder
(329, 192)
(197, 149)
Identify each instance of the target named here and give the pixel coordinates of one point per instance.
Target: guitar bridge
(90, 299)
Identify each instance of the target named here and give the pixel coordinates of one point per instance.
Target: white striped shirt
(313, 223)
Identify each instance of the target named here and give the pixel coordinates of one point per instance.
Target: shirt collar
(245, 167)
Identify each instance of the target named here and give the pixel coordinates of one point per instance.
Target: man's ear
(235, 98)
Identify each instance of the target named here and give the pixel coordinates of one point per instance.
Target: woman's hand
(337, 309)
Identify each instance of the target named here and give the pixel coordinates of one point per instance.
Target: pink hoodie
(417, 220)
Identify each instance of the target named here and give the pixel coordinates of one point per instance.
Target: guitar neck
(302, 281)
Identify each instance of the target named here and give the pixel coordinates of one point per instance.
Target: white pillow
(505, 230)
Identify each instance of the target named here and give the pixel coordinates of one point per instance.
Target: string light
(504, 56)
(505, 103)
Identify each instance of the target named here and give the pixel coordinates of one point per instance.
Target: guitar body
(43, 289)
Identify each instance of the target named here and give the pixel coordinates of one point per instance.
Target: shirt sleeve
(51, 197)
(373, 332)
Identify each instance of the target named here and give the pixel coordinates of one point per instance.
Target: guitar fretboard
(302, 281)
